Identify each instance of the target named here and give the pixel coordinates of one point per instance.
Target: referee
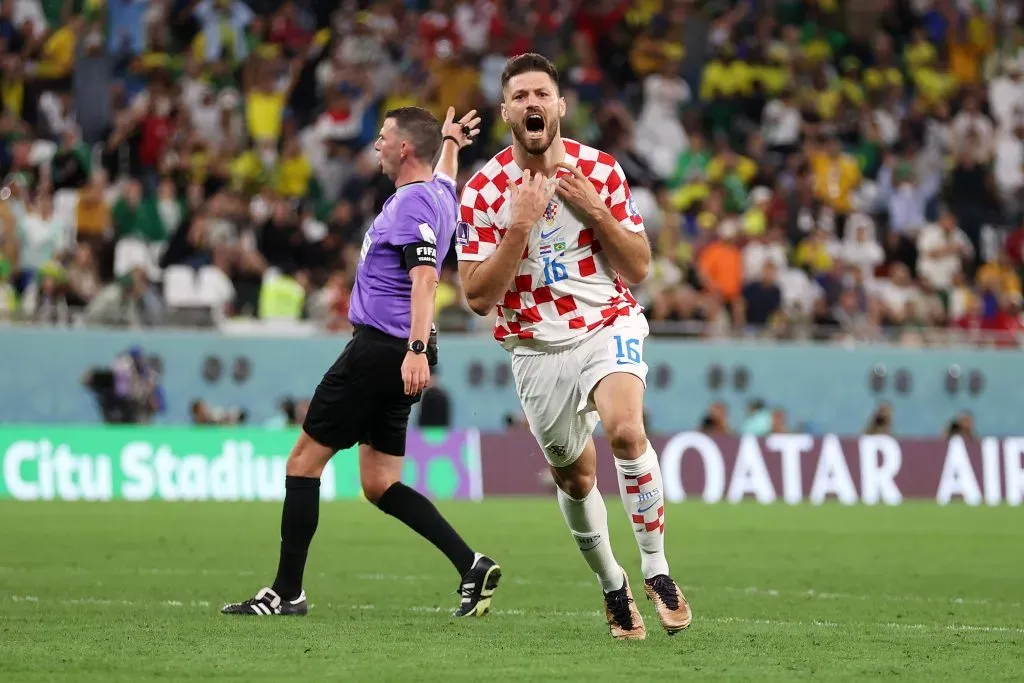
(366, 396)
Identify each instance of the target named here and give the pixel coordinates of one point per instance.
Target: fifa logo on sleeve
(462, 232)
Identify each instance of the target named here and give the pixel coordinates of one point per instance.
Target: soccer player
(366, 396)
(550, 235)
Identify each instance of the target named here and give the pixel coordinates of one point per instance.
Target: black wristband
(452, 138)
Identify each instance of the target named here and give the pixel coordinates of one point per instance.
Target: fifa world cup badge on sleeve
(632, 208)
(462, 232)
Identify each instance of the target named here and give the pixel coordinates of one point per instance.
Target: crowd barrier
(227, 464)
(822, 388)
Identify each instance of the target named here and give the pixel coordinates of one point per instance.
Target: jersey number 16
(554, 271)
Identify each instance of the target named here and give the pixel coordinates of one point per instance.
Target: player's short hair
(527, 63)
(422, 129)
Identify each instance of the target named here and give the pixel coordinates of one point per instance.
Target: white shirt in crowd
(491, 67)
(757, 254)
(1005, 95)
(193, 91)
(938, 140)
(1009, 162)
(473, 23)
(58, 118)
(939, 270)
(895, 297)
(660, 135)
(959, 301)
(205, 119)
(799, 291)
(866, 256)
(42, 239)
(888, 126)
(170, 214)
(29, 10)
(860, 247)
(964, 123)
(383, 25)
(780, 124)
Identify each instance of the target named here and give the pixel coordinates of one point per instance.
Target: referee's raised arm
(454, 136)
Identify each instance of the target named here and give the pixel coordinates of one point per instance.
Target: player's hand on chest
(579, 193)
(558, 227)
(557, 223)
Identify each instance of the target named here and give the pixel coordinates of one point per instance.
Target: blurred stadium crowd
(824, 169)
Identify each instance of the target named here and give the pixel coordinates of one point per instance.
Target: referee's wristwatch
(417, 347)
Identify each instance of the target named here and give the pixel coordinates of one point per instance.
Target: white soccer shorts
(556, 388)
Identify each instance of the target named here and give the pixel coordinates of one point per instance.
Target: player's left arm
(619, 227)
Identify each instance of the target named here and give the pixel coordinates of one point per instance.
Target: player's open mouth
(534, 123)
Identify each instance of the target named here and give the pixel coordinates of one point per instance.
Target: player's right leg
(548, 387)
(334, 421)
(583, 508)
(299, 518)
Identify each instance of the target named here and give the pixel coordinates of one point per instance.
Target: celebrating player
(366, 396)
(550, 235)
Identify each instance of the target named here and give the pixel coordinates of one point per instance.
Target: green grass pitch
(130, 592)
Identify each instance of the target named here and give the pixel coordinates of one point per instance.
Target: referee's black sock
(420, 515)
(298, 524)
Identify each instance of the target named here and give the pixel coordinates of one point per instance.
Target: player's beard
(535, 145)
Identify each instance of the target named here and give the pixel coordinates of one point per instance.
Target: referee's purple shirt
(417, 212)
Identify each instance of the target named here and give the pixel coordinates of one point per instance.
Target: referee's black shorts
(362, 399)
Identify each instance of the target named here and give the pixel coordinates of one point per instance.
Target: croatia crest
(551, 211)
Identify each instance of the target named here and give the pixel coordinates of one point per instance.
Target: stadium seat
(180, 290)
(132, 253)
(214, 288)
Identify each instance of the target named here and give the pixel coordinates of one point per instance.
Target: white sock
(588, 522)
(641, 489)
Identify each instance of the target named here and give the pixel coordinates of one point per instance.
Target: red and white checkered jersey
(564, 288)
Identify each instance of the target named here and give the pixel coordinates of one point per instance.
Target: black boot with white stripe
(268, 603)
(478, 587)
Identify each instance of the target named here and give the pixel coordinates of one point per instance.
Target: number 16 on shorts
(627, 350)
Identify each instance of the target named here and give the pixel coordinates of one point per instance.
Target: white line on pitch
(778, 623)
(416, 578)
(825, 595)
